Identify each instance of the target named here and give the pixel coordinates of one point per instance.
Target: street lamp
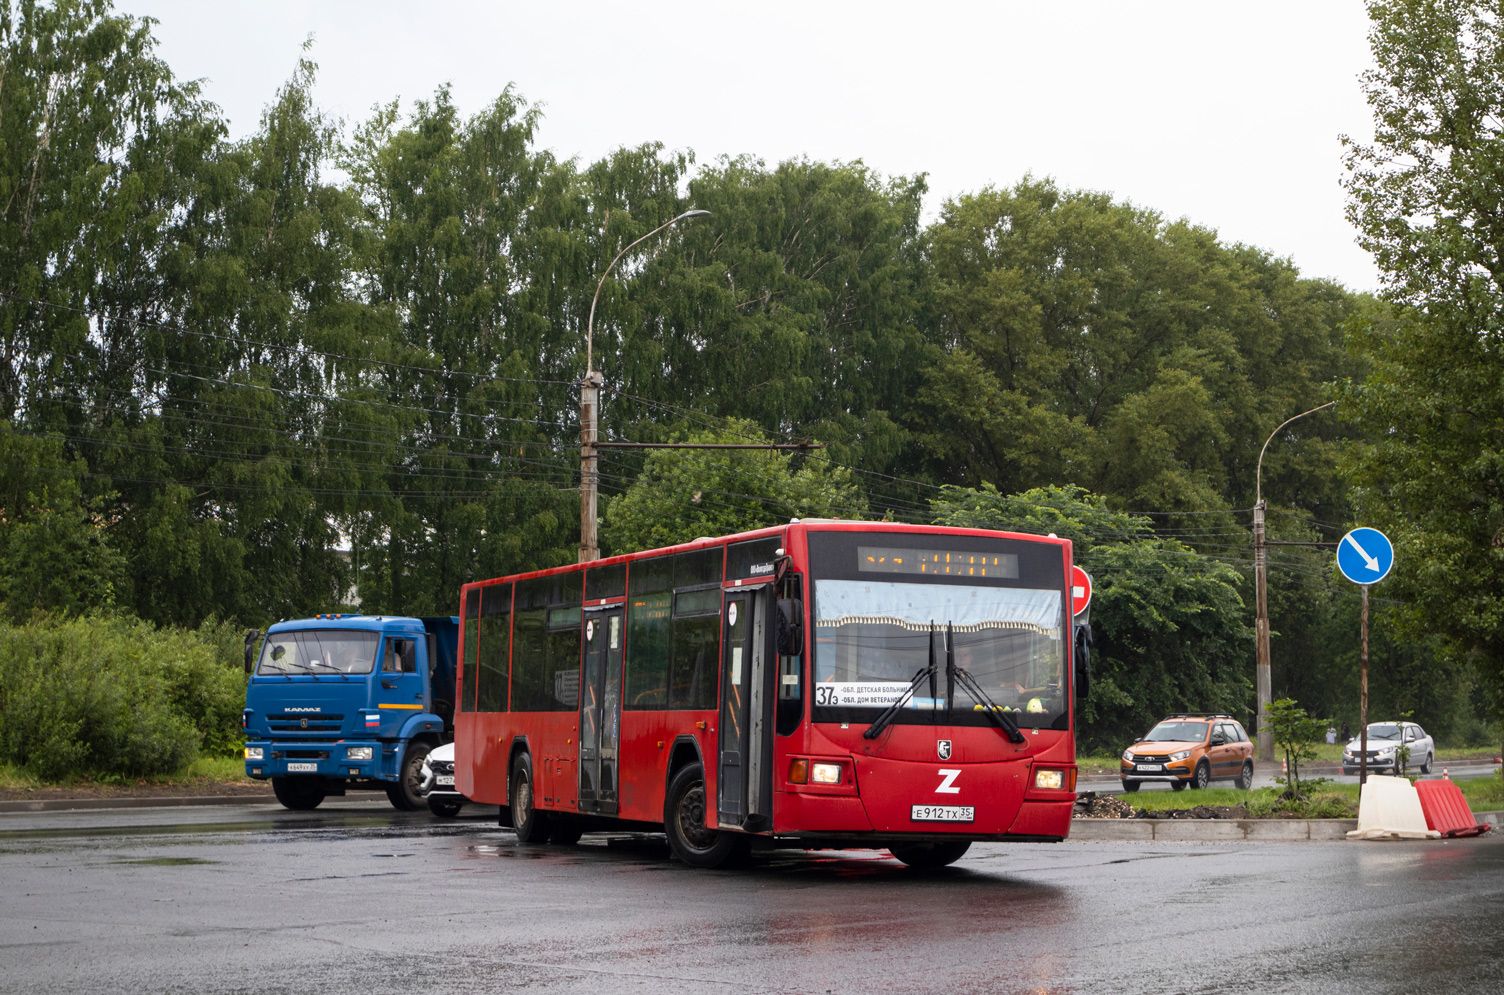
(589, 408)
(1261, 598)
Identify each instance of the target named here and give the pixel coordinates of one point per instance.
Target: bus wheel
(684, 823)
(530, 824)
(300, 794)
(405, 795)
(930, 855)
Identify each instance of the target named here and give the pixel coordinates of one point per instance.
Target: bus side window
(790, 707)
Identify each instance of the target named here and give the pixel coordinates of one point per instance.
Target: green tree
(683, 494)
(1296, 734)
(1424, 198)
(1170, 628)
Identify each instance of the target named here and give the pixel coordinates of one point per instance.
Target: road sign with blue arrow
(1365, 555)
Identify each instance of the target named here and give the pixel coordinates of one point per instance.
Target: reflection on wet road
(360, 899)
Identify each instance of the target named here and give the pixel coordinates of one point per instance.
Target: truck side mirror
(250, 648)
(790, 627)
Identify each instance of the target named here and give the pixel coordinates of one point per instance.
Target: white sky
(1226, 114)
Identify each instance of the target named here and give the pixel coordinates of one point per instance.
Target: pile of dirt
(1090, 805)
(1199, 812)
(195, 788)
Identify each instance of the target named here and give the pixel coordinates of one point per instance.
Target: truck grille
(305, 754)
(284, 722)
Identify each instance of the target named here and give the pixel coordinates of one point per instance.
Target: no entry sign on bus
(1080, 590)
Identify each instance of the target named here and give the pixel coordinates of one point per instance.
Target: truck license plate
(444, 779)
(294, 766)
(943, 813)
(1149, 767)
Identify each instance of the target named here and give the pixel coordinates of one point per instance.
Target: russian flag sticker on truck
(373, 719)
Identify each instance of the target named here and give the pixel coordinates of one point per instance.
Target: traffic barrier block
(1390, 808)
(1447, 811)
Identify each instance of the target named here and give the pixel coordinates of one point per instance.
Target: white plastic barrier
(1390, 809)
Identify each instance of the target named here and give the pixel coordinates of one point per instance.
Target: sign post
(1364, 556)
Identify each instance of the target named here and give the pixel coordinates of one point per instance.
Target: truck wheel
(530, 824)
(684, 823)
(301, 794)
(406, 795)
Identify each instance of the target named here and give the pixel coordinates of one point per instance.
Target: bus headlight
(1050, 780)
(253, 753)
(357, 753)
(825, 773)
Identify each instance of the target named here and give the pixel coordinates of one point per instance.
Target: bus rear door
(600, 710)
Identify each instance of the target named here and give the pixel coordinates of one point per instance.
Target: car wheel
(444, 808)
(407, 795)
(1130, 786)
(301, 794)
(1425, 768)
(927, 856)
(1202, 777)
(530, 824)
(684, 824)
(1179, 785)
(1245, 778)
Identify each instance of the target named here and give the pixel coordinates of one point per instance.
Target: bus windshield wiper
(891, 712)
(954, 674)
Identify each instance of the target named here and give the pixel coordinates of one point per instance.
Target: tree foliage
(1425, 198)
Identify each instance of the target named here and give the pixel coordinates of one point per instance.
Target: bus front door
(600, 710)
(744, 786)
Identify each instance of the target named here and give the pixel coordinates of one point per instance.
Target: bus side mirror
(790, 627)
(250, 648)
(1083, 661)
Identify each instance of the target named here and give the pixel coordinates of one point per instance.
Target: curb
(1226, 830)
(81, 804)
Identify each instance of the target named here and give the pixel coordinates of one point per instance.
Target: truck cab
(348, 702)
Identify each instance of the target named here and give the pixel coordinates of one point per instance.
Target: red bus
(821, 684)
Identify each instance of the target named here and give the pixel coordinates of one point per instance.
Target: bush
(110, 696)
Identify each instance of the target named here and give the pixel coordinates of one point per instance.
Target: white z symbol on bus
(947, 783)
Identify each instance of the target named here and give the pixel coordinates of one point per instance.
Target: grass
(218, 769)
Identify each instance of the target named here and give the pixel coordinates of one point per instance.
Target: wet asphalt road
(357, 898)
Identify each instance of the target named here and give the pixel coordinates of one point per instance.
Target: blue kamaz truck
(342, 702)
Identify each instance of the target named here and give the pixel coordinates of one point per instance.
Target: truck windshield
(318, 651)
(872, 637)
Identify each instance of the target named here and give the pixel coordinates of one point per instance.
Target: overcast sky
(1226, 114)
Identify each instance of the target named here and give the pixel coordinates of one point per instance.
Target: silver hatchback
(1392, 746)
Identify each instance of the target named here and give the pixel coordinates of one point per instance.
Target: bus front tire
(530, 824)
(301, 794)
(927, 856)
(684, 823)
(406, 795)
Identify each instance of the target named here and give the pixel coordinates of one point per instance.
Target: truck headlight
(253, 753)
(357, 753)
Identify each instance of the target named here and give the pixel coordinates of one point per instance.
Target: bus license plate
(1149, 767)
(943, 813)
(444, 779)
(293, 766)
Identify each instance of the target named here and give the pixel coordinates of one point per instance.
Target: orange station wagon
(1191, 749)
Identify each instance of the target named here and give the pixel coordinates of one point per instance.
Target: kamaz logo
(760, 568)
(318, 709)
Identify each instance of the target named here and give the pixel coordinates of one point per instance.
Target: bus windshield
(872, 637)
(318, 651)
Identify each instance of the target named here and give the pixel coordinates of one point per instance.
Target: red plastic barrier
(1447, 811)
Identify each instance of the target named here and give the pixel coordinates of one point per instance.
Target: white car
(1385, 743)
(437, 782)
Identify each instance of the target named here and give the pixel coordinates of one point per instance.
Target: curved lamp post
(590, 405)
(1261, 598)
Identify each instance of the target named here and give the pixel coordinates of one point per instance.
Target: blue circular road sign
(1365, 555)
